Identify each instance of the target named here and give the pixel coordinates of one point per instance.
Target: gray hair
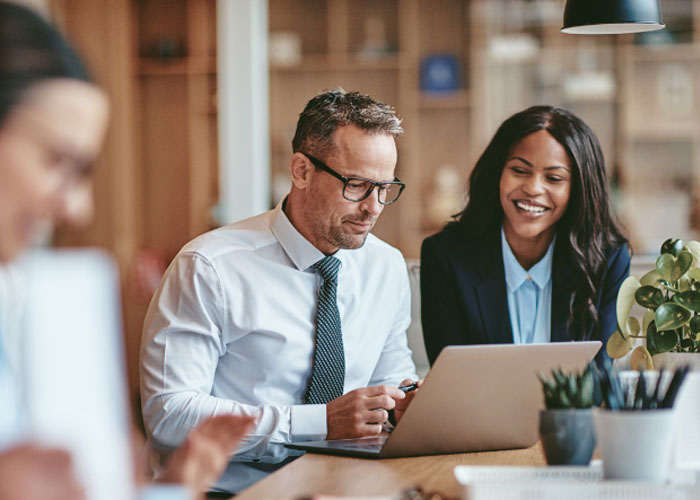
(332, 109)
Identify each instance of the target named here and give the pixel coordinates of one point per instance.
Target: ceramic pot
(635, 444)
(567, 436)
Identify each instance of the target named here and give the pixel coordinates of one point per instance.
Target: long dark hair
(589, 226)
(31, 51)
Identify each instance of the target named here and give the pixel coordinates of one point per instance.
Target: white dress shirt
(529, 296)
(231, 330)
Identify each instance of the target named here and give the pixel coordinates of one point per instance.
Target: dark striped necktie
(328, 371)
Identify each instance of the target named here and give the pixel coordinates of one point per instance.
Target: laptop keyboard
(371, 444)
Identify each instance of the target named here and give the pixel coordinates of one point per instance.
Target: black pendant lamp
(606, 17)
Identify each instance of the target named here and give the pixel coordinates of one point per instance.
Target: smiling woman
(537, 254)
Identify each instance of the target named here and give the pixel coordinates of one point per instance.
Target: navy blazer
(464, 298)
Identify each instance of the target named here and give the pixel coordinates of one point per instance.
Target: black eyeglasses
(358, 188)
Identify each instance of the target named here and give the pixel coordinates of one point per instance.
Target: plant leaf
(671, 246)
(617, 345)
(660, 341)
(672, 268)
(641, 359)
(649, 297)
(694, 273)
(646, 320)
(684, 261)
(695, 324)
(633, 325)
(689, 300)
(669, 316)
(625, 301)
(694, 248)
(651, 279)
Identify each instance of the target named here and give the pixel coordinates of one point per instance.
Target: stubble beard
(337, 237)
(347, 241)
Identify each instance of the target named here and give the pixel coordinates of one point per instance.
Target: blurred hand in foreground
(31, 471)
(206, 452)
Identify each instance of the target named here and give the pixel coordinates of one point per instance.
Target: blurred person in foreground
(52, 122)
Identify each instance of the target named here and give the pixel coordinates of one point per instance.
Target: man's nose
(371, 204)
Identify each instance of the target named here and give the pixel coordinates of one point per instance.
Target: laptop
(475, 398)
(73, 364)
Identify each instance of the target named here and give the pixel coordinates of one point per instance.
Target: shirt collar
(540, 273)
(300, 250)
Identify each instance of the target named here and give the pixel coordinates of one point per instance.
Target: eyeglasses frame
(345, 180)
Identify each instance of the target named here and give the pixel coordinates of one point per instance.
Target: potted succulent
(566, 426)
(670, 293)
(628, 449)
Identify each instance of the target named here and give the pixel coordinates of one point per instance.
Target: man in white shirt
(242, 319)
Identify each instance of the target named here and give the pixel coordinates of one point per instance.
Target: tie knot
(328, 267)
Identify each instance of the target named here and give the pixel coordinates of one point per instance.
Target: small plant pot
(567, 436)
(635, 444)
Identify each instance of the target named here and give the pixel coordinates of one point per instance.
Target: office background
(186, 152)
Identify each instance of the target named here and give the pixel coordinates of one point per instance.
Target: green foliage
(569, 390)
(671, 295)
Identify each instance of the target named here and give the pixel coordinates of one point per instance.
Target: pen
(404, 388)
(409, 388)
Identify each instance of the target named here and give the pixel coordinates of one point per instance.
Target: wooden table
(325, 474)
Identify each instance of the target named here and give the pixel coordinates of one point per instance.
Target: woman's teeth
(536, 209)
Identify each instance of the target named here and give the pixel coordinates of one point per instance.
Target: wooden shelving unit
(339, 48)
(660, 134)
(157, 178)
(639, 94)
(176, 57)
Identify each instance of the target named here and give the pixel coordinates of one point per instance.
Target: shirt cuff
(156, 491)
(308, 422)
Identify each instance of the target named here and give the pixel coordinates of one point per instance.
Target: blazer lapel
(491, 294)
(562, 288)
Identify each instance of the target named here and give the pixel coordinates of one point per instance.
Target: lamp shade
(605, 17)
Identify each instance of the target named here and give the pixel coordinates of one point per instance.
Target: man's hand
(361, 412)
(30, 471)
(402, 404)
(201, 459)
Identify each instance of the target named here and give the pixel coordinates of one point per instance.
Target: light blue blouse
(529, 296)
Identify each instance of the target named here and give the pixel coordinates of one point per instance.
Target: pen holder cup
(635, 444)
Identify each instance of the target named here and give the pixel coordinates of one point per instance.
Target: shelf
(674, 134)
(149, 66)
(459, 99)
(666, 53)
(339, 62)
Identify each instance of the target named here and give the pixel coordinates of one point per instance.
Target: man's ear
(301, 169)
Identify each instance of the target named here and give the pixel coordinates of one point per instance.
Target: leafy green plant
(563, 391)
(670, 293)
